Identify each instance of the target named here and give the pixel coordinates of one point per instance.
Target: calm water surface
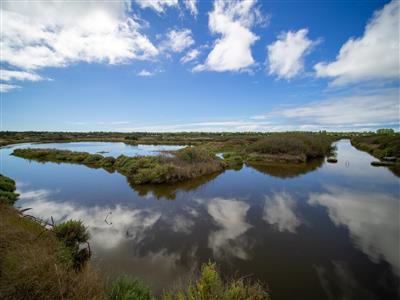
(327, 231)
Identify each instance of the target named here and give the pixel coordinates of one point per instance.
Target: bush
(211, 286)
(126, 288)
(7, 190)
(302, 145)
(73, 233)
(194, 155)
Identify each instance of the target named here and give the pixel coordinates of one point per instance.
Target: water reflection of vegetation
(288, 170)
(169, 191)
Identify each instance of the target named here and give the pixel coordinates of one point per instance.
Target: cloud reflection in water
(230, 215)
(279, 210)
(372, 219)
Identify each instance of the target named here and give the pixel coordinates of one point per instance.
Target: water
(325, 231)
(107, 148)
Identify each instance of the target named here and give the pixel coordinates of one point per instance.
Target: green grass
(127, 288)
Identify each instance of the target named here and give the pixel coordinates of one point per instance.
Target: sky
(194, 65)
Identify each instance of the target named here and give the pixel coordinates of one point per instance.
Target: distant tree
(385, 131)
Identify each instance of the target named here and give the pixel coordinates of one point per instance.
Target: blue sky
(187, 65)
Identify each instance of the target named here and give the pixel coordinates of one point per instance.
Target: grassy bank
(42, 262)
(381, 146)
(184, 164)
(51, 261)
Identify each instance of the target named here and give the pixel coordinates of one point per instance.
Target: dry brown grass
(35, 265)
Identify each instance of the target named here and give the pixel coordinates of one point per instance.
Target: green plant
(210, 285)
(73, 233)
(126, 288)
(8, 195)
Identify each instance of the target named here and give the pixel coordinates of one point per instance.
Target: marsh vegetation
(385, 145)
(184, 164)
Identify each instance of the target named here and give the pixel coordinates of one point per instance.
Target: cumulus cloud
(233, 21)
(55, 34)
(5, 88)
(375, 55)
(286, 55)
(8, 75)
(157, 5)
(178, 40)
(191, 5)
(190, 56)
(145, 73)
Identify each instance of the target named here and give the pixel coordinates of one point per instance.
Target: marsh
(335, 224)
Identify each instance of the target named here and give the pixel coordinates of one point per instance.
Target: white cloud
(372, 219)
(233, 20)
(5, 88)
(146, 73)
(8, 75)
(157, 5)
(279, 210)
(230, 215)
(286, 55)
(191, 5)
(55, 34)
(178, 40)
(376, 107)
(375, 55)
(190, 56)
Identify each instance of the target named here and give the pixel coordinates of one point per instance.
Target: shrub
(93, 159)
(209, 285)
(73, 233)
(307, 145)
(107, 162)
(194, 155)
(7, 184)
(126, 288)
(7, 190)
